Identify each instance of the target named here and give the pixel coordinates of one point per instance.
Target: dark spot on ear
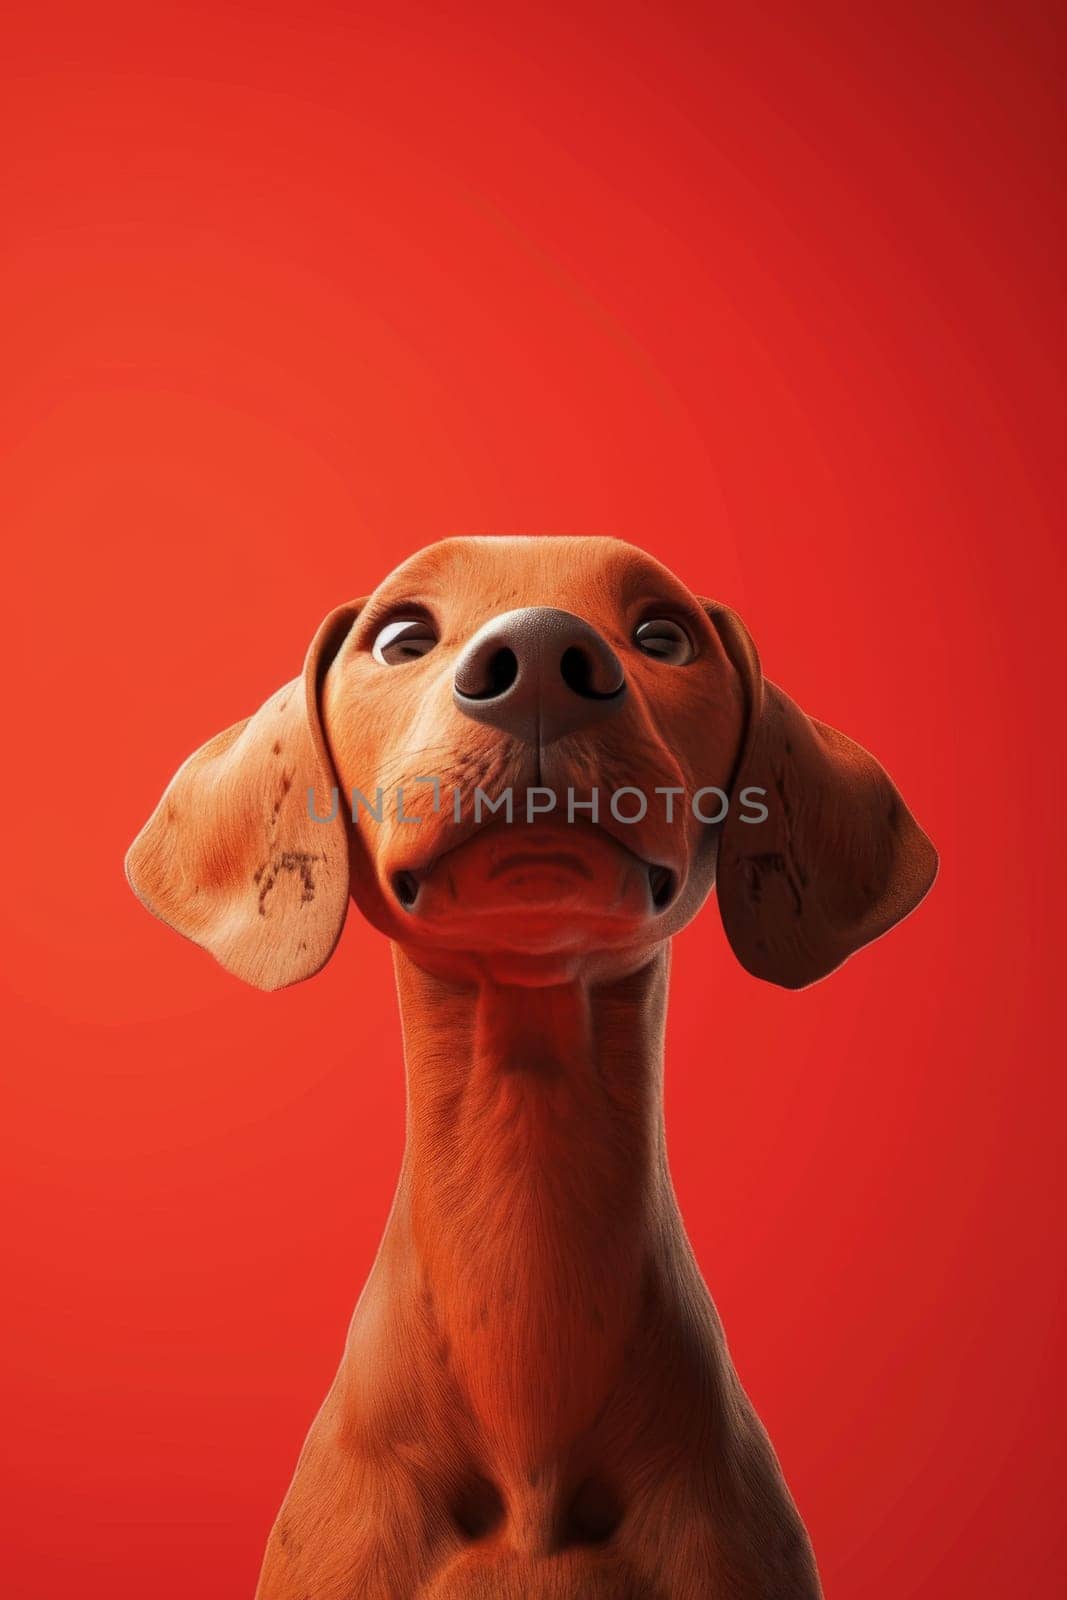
(756, 868)
(286, 785)
(277, 747)
(893, 814)
(289, 861)
(787, 809)
(172, 811)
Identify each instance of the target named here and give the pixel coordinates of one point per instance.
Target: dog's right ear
(232, 856)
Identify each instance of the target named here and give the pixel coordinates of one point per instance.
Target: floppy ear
(231, 856)
(839, 858)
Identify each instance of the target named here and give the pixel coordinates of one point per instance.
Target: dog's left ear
(839, 857)
(232, 857)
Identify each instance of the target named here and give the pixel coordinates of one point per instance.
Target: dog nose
(538, 674)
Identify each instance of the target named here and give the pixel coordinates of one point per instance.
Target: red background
(289, 292)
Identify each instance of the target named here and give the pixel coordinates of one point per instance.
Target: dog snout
(537, 674)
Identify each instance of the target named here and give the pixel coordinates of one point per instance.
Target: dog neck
(534, 1194)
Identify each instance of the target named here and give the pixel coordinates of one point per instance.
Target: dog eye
(406, 639)
(665, 640)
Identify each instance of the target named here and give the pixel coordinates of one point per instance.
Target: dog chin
(543, 887)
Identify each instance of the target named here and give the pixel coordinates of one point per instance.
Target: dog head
(531, 753)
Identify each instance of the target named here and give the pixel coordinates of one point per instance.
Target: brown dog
(536, 1399)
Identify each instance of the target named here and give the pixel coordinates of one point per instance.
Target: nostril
(503, 669)
(538, 674)
(498, 674)
(579, 672)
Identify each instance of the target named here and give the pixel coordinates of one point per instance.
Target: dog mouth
(537, 864)
(540, 860)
